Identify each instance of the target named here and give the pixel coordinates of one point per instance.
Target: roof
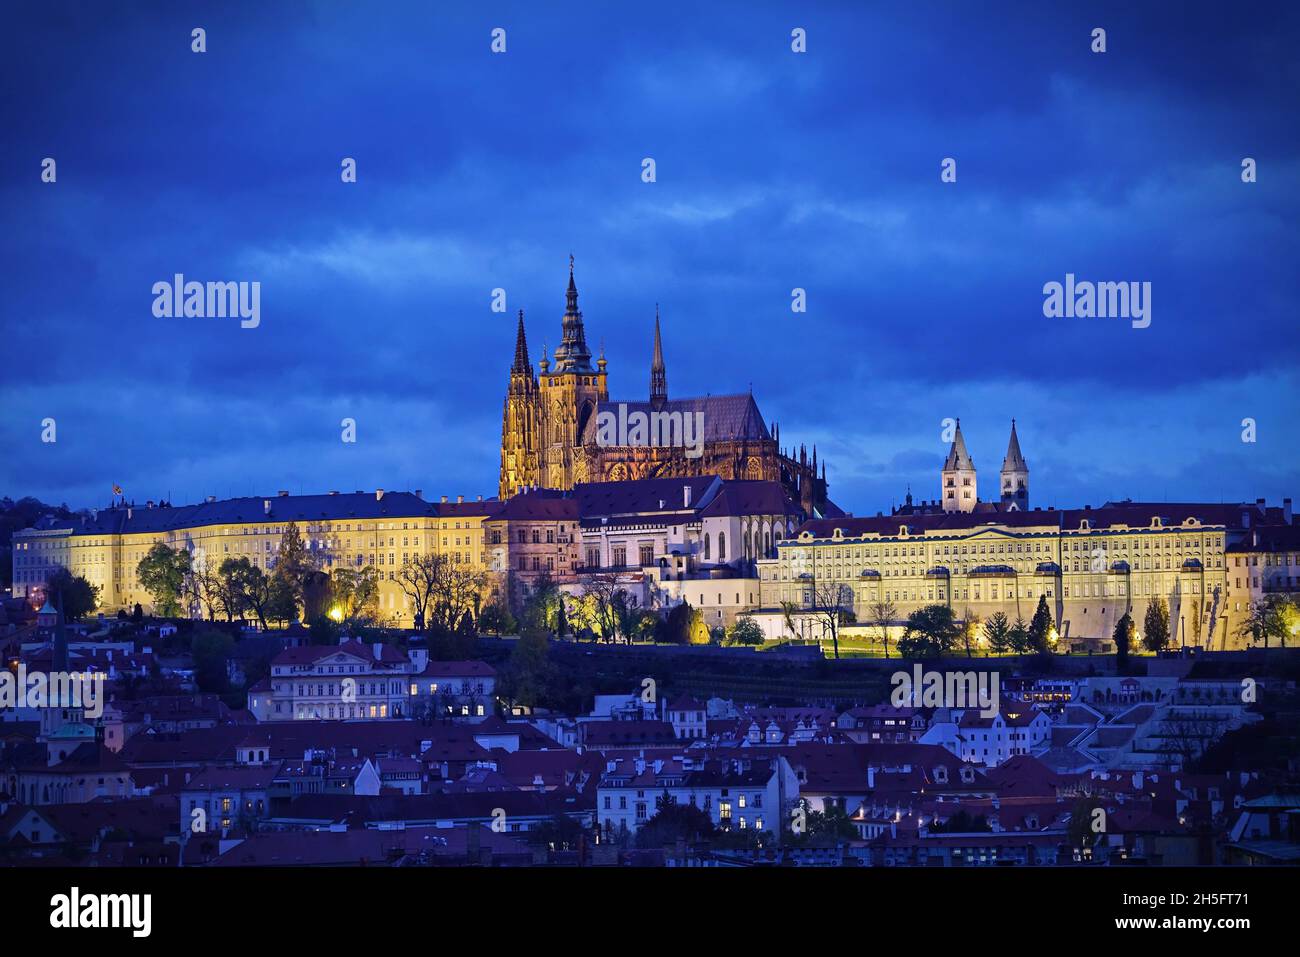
(958, 457)
(724, 417)
(341, 506)
(751, 498)
(1132, 515)
(539, 505)
(458, 669)
(640, 496)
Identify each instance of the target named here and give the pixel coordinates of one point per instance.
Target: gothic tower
(570, 389)
(1015, 475)
(658, 376)
(957, 480)
(520, 422)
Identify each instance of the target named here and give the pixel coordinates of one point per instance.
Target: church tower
(658, 375)
(519, 422)
(957, 480)
(570, 389)
(1015, 475)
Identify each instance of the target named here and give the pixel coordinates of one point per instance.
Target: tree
(930, 632)
(1018, 637)
(294, 564)
(205, 587)
(252, 586)
(881, 615)
(281, 601)
(355, 594)
(997, 630)
(673, 822)
(675, 629)
(1271, 616)
(544, 607)
(496, 620)
(746, 632)
(418, 578)
(832, 825)
(970, 628)
(699, 631)
(457, 589)
(1155, 626)
(211, 650)
(1123, 637)
(647, 625)
(832, 605)
(163, 573)
(1041, 628)
(76, 595)
(788, 609)
(529, 675)
(598, 605)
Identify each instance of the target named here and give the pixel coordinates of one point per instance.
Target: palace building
(553, 435)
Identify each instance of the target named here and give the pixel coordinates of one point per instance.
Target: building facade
(380, 529)
(1092, 565)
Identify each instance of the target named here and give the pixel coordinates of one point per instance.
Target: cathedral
(550, 436)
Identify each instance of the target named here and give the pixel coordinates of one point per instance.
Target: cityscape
(630, 530)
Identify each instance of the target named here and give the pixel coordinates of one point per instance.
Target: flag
(117, 490)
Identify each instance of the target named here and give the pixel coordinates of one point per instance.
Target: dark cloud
(775, 171)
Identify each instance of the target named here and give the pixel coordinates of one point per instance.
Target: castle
(550, 437)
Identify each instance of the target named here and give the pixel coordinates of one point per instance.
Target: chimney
(266, 506)
(686, 496)
(128, 513)
(480, 498)
(378, 650)
(444, 500)
(419, 493)
(1286, 510)
(283, 493)
(460, 499)
(871, 778)
(379, 495)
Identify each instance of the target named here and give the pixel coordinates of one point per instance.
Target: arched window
(706, 546)
(722, 546)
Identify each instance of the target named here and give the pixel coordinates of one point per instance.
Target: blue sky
(774, 170)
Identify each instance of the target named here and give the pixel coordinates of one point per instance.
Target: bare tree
(970, 627)
(457, 589)
(881, 615)
(832, 605)
(600, 603)
(418, 578)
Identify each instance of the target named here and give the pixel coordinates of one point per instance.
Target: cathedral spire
(1015, 475)
(1014, 460)
(957, 479)
(521, 365)
(958, 457)
(658, 375)
(572, 354)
